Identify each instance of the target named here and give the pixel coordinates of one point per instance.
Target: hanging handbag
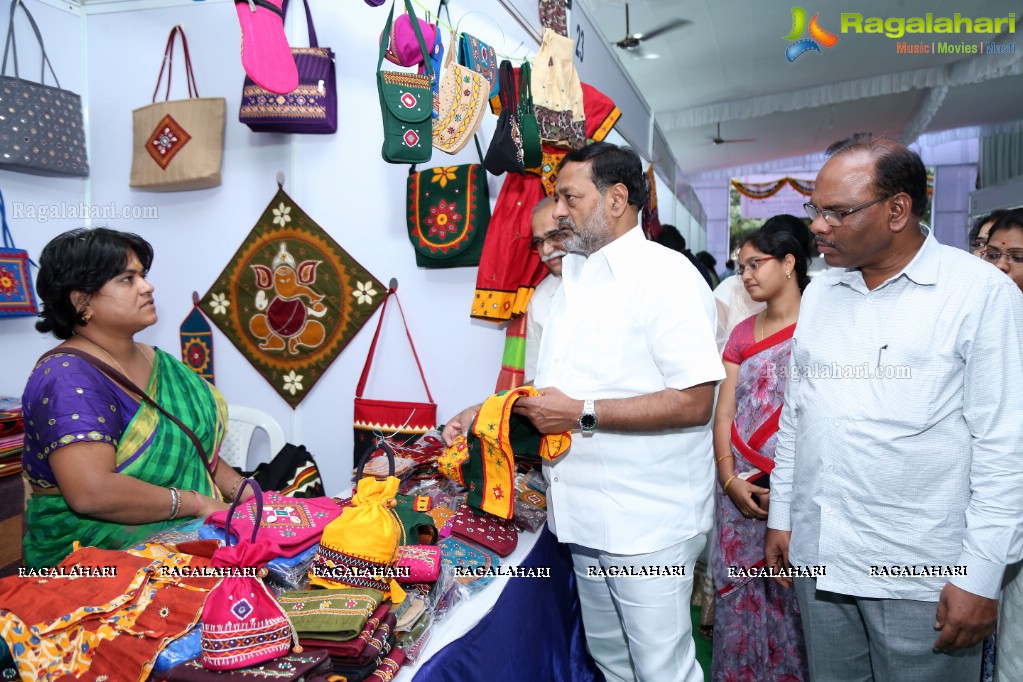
(390, 420)
(17, 298)
(178, 144)
(481, 58)
(448, 214)
(461, 101)
(532, 151)
(402, 46)
(54, 143)
(505, 151)
(242, 623)
(406, 105)
(310, 108)
(558, 93)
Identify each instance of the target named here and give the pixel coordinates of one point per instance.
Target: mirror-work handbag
(406, 104)
(178, 144)
(55, 142)
(242, 623)
(397, 421)
(311, 107)
(461, 101)
(448, 214)
(17, 298)
(481, 58)
(505, 151)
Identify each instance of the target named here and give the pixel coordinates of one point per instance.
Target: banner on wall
(291, 299)
(765, 199)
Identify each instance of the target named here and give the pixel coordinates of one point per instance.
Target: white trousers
(640, 628)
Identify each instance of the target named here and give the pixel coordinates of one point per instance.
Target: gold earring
(84, 317)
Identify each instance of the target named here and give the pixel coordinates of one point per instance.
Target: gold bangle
(230, 495)
(725, 456)
(724, 488)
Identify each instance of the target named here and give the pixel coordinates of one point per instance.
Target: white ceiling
(734, 52)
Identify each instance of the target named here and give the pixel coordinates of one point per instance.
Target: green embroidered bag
(406, 104)
(448, 214)
(532, 151)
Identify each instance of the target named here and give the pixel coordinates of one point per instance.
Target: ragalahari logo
(818, 36)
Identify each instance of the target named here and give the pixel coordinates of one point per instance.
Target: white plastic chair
(242, 423)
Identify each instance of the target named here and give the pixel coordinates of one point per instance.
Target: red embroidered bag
(397, 421)
(242, 623)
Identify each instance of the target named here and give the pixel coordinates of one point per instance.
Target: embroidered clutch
(420, 562)
(475, 563)
(336, 614)
(290, 668)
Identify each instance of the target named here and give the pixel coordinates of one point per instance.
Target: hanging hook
(280, 179)
(393, 284)
(504, 38)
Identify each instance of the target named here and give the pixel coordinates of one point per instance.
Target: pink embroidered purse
(292, 524)
(418, 564)
(242, 623)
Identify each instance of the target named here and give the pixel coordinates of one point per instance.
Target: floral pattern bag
(448, 214)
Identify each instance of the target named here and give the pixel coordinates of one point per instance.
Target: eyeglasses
(834, 218)
(978, 244)
(994, 255)
(752, 264)
(553, 237)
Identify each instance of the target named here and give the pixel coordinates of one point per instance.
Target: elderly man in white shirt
(898, 462)
(547, 238)
(627, 361)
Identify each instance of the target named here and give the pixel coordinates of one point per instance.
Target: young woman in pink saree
(757, 631)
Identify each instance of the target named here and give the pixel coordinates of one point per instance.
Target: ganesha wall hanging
(291, 299)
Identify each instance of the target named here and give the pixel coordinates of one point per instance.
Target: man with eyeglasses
(628, 363)
(898, 469)
(547, 243)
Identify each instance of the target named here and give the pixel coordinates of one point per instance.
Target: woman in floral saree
(757, 631)
(108, 468)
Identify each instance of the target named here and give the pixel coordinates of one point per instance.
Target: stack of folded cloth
(12, 436)
(353, 625)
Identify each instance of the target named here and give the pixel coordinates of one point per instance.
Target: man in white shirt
(898, 460)
(628, 362)
(547, 237)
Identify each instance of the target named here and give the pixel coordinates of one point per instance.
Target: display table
(515, 629)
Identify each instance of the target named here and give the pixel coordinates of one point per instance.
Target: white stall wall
(339, 180)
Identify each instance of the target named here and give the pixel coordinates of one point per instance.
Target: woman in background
(757, 629)
(106, 467)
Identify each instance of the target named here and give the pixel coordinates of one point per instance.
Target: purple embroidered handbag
(311, 108)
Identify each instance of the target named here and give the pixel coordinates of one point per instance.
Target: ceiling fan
(717, 139)
(631, 41)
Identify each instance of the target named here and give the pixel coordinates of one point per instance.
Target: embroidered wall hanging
(197, 342)
(291, 299)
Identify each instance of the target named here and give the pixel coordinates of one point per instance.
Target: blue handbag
(17, 298)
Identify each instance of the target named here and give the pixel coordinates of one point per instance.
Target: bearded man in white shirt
(628, 362)
(898, 461)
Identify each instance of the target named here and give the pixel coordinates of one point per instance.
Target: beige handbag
(178, 144)
(557, 92)
(463, 95)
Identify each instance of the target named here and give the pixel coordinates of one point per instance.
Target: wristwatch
(588, 420)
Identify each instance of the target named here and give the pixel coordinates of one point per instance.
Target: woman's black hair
(81, 260)
(1008, 220)
(783, 235)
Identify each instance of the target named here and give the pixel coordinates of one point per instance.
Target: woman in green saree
(106, 467)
